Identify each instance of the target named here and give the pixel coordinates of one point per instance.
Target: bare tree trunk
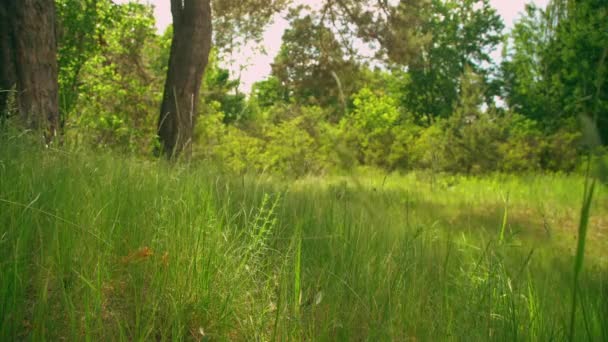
(8, 78)
(28, 35)
(36, 62)
(189, 56)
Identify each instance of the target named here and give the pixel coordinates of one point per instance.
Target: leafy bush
(210, 131)
(240, 152)
(473, 134)
(402, 155)
(561, 150)
(370, 127)
(428, 151)
(291, 141)
(522, 148)
(114, 104)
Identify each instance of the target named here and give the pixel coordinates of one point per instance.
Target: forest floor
(102, 247)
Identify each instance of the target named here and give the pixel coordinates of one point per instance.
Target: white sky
(257, 65)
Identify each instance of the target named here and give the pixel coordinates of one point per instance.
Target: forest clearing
(292, 170)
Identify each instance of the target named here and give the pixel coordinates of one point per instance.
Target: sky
(255, 66)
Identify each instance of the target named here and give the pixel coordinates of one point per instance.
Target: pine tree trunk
(188, 59)
(29, 49)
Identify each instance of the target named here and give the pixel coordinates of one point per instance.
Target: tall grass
(94, 247)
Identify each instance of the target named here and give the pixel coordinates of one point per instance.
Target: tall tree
(392, 28)
(579, 54)
(188, 59)
(463, 34)
(311, 65)
(525, 76)
(29, 62)
(555, 68)
(189, 56)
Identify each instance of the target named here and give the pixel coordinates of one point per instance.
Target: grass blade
(580, 251)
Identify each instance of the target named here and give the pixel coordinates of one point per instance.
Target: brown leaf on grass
(138, 255)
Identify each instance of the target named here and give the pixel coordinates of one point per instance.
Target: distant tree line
(431, 97)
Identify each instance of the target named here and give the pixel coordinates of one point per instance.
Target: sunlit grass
(102, 248)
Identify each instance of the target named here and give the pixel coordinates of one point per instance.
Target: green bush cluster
(286, 140)
(293, 140)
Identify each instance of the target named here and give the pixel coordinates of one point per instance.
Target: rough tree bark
(8, 78)
(29, 49)
(188, 59)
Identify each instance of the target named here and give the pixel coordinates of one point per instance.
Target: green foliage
(292, 150)
(290, 141)
(556, 65)
(526, 80)
(241, 153)
(472, 135)
(393, 28)
(81, 28)
(210, 130)
(159, 61)
(218, 87)
(464, 33)
(562, 150)
(371, 126)
(578, 55)
(237, 22)
(311, 66)
(402, 155)
(429, 107)
(227, 146)
(117, 105)
(428, 149)
(269, 92)
(523, 149)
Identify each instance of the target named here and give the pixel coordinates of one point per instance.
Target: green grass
(97, 247)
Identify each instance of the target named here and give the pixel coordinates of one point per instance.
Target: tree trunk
(8, 78)
(189, 56)
(30, 52)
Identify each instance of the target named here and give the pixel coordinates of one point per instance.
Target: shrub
(240, 153)
(369, 128)
(560, 150)
(522, 148)
(429, 149)
(300, 145)
(402, 154)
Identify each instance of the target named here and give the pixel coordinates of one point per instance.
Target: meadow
(100, 247)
